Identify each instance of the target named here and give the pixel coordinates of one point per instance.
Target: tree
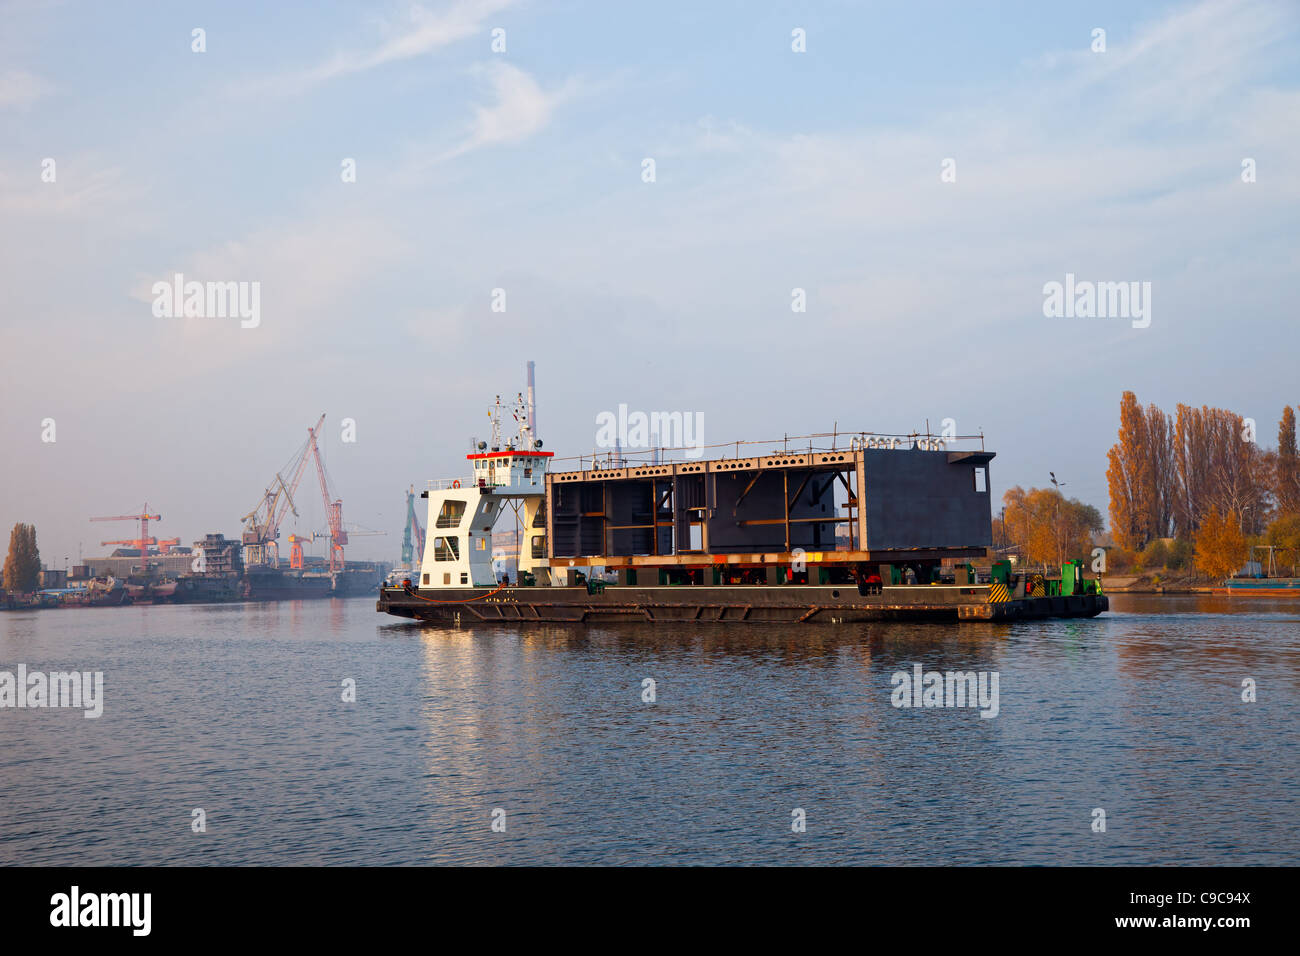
(1155, 555)
(23, 564)
(1286, 487)
(1140, 475)
(1215, 467)
(1220, 545)
(1047, 527)
(1284, 534)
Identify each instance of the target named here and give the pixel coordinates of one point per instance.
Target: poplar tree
(23, 563)
(1287, 486)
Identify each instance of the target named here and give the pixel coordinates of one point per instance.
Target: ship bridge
(507, 479)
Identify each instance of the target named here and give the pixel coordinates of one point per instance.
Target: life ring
(455, 483)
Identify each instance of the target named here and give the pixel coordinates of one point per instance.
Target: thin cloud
(423, 32)
(522, 108)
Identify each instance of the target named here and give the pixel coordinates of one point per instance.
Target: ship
(748, 538)
(146, 590)
(269, 583)
(1259, 577)
(206, 588)
(351, 582)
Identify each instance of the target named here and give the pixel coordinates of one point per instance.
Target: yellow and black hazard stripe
(998, 593)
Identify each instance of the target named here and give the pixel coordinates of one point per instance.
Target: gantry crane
(295, 548)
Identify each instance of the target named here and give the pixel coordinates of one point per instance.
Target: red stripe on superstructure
(515, 454)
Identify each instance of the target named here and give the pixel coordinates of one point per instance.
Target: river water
(238, 710)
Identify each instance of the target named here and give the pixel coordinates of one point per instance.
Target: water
(236, 709)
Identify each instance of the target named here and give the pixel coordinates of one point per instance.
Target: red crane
(144, 540)
(333, 511)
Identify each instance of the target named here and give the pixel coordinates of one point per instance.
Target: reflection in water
(237, 708)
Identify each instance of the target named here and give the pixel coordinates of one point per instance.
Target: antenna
(532, 400)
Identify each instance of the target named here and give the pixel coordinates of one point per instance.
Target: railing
(443, 484)
(786, 445)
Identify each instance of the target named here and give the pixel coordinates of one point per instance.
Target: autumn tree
(1284, 535)
(1286, 484)
(1217, 466)
(1220, 545)
(1140, 475)
(23, 563)
(1046, 526)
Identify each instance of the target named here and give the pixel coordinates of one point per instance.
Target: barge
(886, 528)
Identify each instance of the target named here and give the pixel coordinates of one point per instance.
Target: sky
(523, 170)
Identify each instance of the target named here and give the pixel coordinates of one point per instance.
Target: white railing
(442, 484)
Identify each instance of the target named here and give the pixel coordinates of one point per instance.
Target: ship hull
(275, 585)
(1260, 587)
(782, 604)
(356, 581)
(206, 589)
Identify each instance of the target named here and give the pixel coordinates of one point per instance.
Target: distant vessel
(1264, 587)
(749, 539)
(265, 583)
(144, 591)
(206, 589)
(353, 581)
(1259, 577)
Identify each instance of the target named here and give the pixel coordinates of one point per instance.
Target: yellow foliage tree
(1220, 545)
(1048, 527)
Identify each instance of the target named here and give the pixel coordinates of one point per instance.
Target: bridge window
(446, 549)
(539, 546)
(450, 515)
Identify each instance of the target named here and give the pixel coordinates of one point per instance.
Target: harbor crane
(262, 524)
(144, 541)
(413, 535)
(333, 510)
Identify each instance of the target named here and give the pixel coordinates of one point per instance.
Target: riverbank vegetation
(1190, 494)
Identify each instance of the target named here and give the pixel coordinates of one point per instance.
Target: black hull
(784, 604)
(285, 586)
(354, 582)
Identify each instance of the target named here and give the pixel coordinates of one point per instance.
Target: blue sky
(522, 170)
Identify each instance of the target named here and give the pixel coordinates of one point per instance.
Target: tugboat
(870, 531)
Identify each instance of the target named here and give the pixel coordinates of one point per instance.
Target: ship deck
(788, 603)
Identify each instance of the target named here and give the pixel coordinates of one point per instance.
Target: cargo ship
(859, 527)
(206, 589)
(268, 583)
(351, 582)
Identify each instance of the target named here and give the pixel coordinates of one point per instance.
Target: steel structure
(262, 524)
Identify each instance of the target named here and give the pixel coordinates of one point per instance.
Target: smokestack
(532, 401)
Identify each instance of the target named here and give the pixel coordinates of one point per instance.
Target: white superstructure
(506, 478)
